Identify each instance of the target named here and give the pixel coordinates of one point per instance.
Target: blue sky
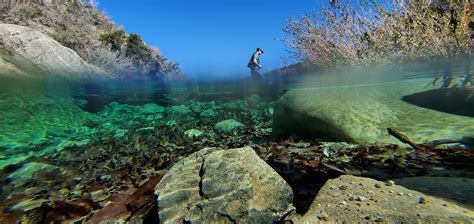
(213, 38)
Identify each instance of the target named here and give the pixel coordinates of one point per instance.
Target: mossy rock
(228, 126)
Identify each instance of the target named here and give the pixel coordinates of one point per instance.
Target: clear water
(60, 141)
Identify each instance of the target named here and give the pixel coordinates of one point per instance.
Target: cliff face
(79, 26)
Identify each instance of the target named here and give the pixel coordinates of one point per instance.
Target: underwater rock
(458, 190)
(26, 172)
(392, 204)
(181, 109)
(228, 126)
(151, 108)
(10, 160)
(193, 133)
(120, 133)
(254, 100)
(27, 51)
(224, 186)
(32, 120)
(70, 143)
(145, 129)
(270, 109)
(237, 104)
(153, 117)
(362, 114)
(29, 204)
(208, 113)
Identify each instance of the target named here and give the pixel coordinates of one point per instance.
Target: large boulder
(223, 186)
(362, 114)
(24, 51)
(350, 199)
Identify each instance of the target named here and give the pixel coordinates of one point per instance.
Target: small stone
(361, 198)
(378, 220)
(193, 133)
(104, 178)
(228, 126)
(422, 200)
(343, 203)
(99, 195)
(390, 191)
(409, 195)
(401, 194)
(343, 187)
(390, 183)
(332, 187)
(445, 205)
(323, 216)
(377, 185)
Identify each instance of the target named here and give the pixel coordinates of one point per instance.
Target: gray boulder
(362, 114)
(223, 186)
(24, 51)
(350, 199)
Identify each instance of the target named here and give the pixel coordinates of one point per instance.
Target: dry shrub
(360, 32)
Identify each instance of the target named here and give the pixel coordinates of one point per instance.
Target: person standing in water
(254, 64)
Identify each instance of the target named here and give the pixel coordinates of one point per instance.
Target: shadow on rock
(459, 101)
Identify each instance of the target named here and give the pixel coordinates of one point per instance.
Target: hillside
(81, 27)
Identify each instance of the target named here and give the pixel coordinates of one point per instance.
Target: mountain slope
(82, 28)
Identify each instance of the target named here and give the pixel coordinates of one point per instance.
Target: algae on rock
(229, 125)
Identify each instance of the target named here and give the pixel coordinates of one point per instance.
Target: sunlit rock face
(27, 51)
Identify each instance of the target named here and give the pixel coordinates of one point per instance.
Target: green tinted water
(55, 135)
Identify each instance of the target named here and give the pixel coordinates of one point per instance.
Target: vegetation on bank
(363, 32)
(83, 28)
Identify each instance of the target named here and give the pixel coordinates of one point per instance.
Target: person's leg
(256, 74)
(253, 71)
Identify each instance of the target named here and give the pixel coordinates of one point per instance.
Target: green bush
(115, 39)
(136, 48)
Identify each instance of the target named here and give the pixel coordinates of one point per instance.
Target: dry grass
(360, 32)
